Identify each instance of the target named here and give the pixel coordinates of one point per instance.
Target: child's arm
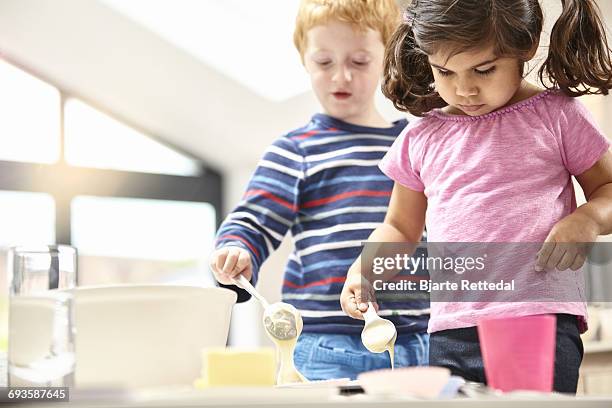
(590, 220)
(268, 209)
(404, 222)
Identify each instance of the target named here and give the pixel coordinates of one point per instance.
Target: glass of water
(41, 316)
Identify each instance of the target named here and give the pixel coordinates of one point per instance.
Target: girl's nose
(466, 88)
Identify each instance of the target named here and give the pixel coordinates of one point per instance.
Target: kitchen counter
(322, 398)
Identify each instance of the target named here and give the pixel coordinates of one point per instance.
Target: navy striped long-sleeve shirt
(321, 182)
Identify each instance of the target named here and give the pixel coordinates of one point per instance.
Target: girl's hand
(567, 244)
(229, 262)
(352, 298)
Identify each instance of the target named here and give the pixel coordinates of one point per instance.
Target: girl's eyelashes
(485, 72)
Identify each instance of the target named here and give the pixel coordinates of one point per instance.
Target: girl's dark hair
(578, 59)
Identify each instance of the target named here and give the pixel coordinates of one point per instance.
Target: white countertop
(298, 398)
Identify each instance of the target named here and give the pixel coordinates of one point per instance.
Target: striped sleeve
(269, 206)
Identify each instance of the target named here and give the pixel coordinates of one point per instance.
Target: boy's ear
(304, 64)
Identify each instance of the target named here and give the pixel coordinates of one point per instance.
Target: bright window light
(26, 218)
(30, 124)
(144, 229)
(94, 139)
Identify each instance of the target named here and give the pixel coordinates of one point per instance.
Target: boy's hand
(229, 262)
(351, 299)
(567, 244)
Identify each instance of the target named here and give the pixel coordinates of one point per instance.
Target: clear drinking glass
(41, 315)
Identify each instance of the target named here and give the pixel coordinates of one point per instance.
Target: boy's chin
(345, 113)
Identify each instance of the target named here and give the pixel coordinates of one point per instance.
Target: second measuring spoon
(378, 334)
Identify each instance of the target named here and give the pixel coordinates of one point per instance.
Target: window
(30, 125)
(123, 227)
(120, 232)
(74, 175)
(94, 139)
(26, 218)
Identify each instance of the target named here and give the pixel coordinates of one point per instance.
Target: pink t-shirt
(500, 177)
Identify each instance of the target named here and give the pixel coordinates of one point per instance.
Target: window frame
(64, 182)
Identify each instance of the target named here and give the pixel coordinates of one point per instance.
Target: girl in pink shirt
(491, 157)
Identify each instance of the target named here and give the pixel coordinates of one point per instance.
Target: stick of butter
(230, 367)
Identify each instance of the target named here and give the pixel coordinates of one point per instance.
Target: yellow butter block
(230, 367)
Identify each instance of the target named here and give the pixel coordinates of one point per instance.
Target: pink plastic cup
(519, 352)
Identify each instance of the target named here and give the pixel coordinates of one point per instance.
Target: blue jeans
(320, 356)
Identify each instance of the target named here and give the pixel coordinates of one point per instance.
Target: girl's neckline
(510, 108)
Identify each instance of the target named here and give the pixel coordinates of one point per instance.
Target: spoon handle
(244, 283)
(370, 314)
